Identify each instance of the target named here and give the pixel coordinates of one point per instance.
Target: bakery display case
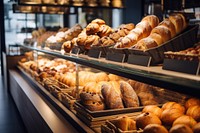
(100, 79)
(76, 84)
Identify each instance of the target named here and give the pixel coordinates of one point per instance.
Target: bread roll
(187, 120)
(168, 116)
(111, 97)
(192, 102)
(92, 101)
(129, 97)
(145, 119)
(125, 123)
(174, 105)
(180, 128)
(155, 128)
(194, 112)
(153, 109)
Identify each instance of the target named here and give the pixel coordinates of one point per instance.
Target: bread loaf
(125, 123)
(111, 97)
(129, 97)
(92, 101)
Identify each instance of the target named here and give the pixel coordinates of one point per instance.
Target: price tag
(117, 57)
(95, 53)
(139, 60)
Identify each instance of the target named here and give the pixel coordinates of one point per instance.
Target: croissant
(104, 30)
(91, 40)
(81, 38)
(98, 21)
(92, 28)
(106, 41)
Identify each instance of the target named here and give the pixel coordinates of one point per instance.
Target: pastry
(129, 97)
(111, 97)
(125, 123)
(145, 119)
(187, 120)
(180, 128)
(153, 109)
(92, 101)
(155, 128)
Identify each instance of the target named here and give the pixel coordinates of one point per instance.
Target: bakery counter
(154, 75)
(40, 111)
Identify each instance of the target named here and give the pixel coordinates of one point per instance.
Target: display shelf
(175, 81)
(66, 113)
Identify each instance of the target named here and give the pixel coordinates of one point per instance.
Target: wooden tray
(68, 100)
(108, 111)
(109, 127)
(97, 118)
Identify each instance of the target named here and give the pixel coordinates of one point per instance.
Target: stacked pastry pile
(97, 33)
(162, 33)
(172, 117)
